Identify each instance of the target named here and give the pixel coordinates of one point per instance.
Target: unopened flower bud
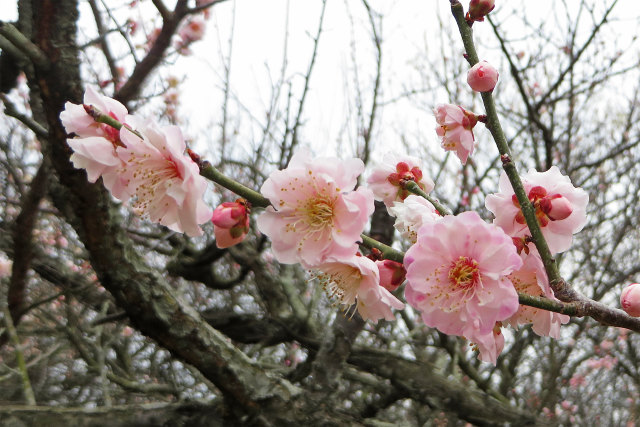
(478, 9)
(230, 223)
(630, 299)
(556, 207)
(482, 77)
(392, 274)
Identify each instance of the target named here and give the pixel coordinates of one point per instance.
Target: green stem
(206, 169)
(22, 365)
(387, 251)
(547, 304)
(414, 188)
(493, 124)
(256, 199)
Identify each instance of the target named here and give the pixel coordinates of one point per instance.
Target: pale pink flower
(75, 119)
(411, 214)
(386, 179)
(230, 223)
(457, 275)
(455, 127)
(98, 157)
(356, 280)
(315, 213)
(192, 30)
(166, 183)
(532, 279)
(392, 274)
(630, 299)
(482, 77)
(95, 149)
(559, 206)
(478, 9)
(489, 345)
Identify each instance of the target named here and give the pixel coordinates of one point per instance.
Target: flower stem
(558, 285)
(387, 251)
(256, 199)
(414, 188)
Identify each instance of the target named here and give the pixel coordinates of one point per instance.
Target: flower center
(464, 273)
(341, 284)
(152, 178)
(317, 212)
(543, 205)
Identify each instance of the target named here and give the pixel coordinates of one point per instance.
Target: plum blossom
(315, 212)
(386, 180)
(392, 274)
(630, 299)
(455, 127)
(75, 118)
(559, 206)
(482, 77)
(411, 214)
(357, 280)
(95, 149)
(490, 345)
(478, 9)
(166, 183)
(192, 30)
(457, 275)
(230, 223)
(532, 279)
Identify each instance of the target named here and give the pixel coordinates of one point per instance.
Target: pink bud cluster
(230, 222)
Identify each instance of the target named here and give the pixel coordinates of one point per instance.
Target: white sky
(410, 28)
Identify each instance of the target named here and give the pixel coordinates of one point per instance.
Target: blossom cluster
(146, 166)
(462, 274)
(316, 218)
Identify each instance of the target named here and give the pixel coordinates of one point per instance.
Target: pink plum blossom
(357, 280)
(230, 223)
(98, 157)
(482, 77)
(630, 299)
(75, 119)
(386, 180)
(166, 183)
(478, 9)
(392, 274)
(315, 213)
(559, 206)
(95, 149)
(532, 280)
(455, 127)
(412, 214)
(489, 345)
(192, 30)
(457, 275)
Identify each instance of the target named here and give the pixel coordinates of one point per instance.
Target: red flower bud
(392, 274)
